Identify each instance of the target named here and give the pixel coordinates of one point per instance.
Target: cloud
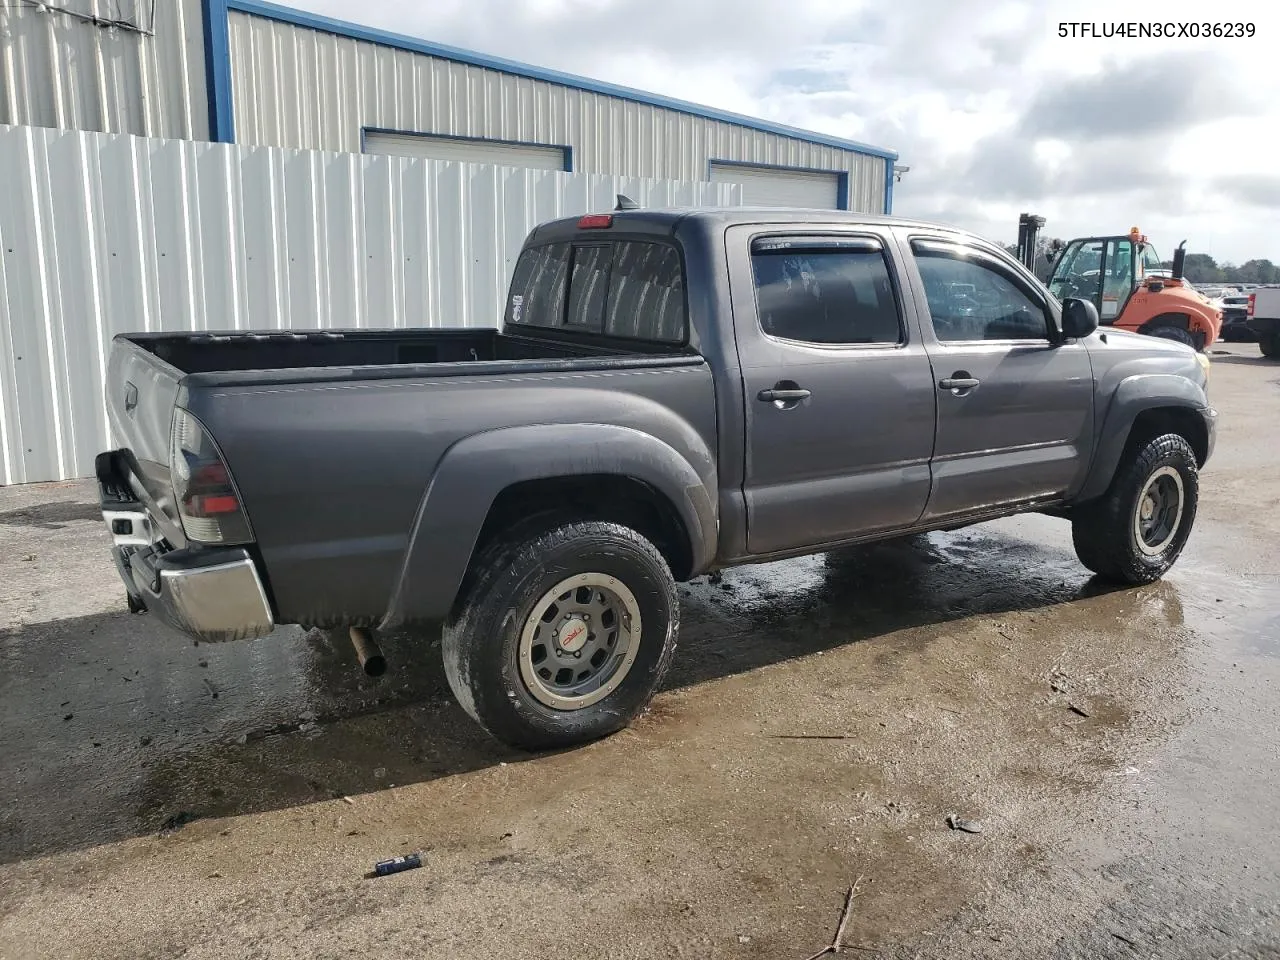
(1004, 166)
(993, 111)
(1138, 99)
(808, 80)
(1259, 190)
(1099, 169)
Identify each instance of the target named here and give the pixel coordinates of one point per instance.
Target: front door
(1015, 408)
(839, 397)
(1118, 279)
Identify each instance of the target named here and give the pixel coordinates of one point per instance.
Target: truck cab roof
(665, 221)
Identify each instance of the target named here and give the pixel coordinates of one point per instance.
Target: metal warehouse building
(258, 74)
(197, 165)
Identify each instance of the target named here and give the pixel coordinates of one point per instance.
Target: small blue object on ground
(396, 864)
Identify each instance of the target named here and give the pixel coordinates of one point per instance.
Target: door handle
(781, 393)
(958, 383)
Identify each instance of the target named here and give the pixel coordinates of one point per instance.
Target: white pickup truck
(1264, 319)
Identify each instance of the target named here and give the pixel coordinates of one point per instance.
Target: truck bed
(334, 437)
(227, 352)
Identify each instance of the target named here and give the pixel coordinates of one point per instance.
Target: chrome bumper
(210, 595)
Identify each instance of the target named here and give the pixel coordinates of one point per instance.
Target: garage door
(768, 187)
(472, 151)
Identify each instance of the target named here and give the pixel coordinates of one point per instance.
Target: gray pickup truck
(671, 392)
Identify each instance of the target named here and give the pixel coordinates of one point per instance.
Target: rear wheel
(1270, 346)
(564, 636)
(1174, 333)
(1135, 532)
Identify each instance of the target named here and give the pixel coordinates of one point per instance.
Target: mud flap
(134, 599)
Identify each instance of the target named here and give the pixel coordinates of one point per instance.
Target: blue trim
(272, 11)
(888, 188)
(217, 72)
(566, 166)
(842, 176)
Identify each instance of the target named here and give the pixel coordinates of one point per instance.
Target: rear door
(839, 396)
(1015, 407)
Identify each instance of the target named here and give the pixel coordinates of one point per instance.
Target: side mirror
(1079, 318)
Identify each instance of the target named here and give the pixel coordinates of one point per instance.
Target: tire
(1174, 333)
(1107, 533)
(611, 576)
(1270, 346)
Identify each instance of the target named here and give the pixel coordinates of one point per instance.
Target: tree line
(1202, 268)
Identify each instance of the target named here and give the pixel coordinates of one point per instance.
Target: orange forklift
(1124, 279)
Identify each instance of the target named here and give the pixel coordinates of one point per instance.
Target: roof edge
(343, 28)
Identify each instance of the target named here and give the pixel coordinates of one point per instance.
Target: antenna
(626, 203)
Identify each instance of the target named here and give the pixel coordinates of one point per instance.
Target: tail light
(595, 221)
(1249, 309)
(207, 501)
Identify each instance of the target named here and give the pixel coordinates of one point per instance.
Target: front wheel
(1174, 333)
(1270, 345)
(563, 637)
(1135, 532)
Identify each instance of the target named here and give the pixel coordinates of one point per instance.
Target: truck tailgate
(141, 394)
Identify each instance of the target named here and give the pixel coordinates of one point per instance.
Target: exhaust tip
(368, 652)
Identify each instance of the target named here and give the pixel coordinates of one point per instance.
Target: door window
(830, 295)
(1150, 260)
(1118, 281)
(1079, 272)
(971, 300)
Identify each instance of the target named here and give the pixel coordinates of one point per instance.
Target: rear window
(589, 286)
(625, 288)
(538, 286)
(646, 295)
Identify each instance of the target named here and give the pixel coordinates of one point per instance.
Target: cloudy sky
(992, 110)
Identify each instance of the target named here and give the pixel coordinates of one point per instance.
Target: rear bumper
(1265, 326)
(1236, 326)
(209, 594)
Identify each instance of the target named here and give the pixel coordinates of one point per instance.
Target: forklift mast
(1028, 239)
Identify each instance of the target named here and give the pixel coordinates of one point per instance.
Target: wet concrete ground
(824, 717)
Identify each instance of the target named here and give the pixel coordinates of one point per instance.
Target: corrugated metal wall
(103, 234)
(298, 87)
(61, 70)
